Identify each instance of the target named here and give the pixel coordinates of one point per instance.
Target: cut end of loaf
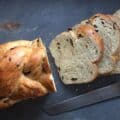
(70, 54)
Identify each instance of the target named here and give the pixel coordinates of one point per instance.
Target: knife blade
(92, 97)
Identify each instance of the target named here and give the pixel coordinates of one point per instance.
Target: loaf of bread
(24, 71)
(88, 49)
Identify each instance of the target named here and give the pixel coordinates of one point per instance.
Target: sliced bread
(75, 52)
(107, 29)
(111, 37)
(96, 46)
(87, 50)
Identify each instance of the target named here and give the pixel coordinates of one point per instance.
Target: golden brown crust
(27, 88)
(103, 16)
(24, 71)
(10, 45)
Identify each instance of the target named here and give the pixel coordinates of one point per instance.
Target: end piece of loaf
(24, 71)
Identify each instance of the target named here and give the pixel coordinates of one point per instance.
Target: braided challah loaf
(24, 71)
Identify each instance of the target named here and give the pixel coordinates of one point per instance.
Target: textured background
(47, 18)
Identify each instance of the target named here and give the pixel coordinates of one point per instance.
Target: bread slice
(75, 52)
(95, 49)
(116, 18)
(111, 36)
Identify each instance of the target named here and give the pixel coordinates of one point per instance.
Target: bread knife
(83, 100)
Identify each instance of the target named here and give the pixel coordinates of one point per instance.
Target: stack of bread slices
(89, 49)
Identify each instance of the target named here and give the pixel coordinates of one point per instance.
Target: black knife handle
(86, 99)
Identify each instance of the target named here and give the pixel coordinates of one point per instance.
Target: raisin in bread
(76, 53)
(24, 72)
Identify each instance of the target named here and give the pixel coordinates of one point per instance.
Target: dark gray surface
(81, 101)
(46, 19)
